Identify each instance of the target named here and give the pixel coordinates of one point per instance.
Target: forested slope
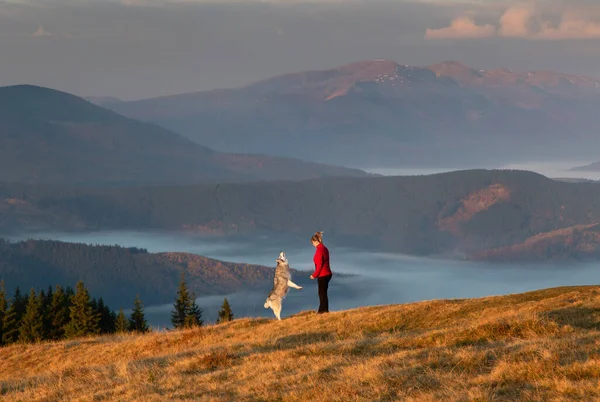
(458, 212)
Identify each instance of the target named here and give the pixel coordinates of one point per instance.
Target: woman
(322, 271)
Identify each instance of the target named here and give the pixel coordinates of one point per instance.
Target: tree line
(187, 314)
(64, 313)
(112, 271)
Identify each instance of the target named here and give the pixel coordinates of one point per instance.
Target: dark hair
(318, 237)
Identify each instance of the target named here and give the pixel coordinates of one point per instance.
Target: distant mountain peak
(452, 64)
(457, 71)
(50, 105)
(333, 83)
(28, 89)
(330, 83)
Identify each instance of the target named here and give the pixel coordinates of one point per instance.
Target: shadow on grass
(577, 317)
(403, 381)
(20, 385)
(511, 390)
(210, 362)
(294, 341)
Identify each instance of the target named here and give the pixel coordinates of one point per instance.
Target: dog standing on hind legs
(281, 285)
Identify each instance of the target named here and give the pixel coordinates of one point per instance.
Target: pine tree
(69, 292)
(46, 300)
(94, 306)
(12, 318)
(137, 321)
(107, 318)
(225, 314)
(182, 305)
(32, 323)
(83, 319)
(48, 296)
(58, 314)
(3, 308)
(121, 323)
(113, 320)
(194, 315)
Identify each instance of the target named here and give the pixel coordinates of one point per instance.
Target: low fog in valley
(374, 278)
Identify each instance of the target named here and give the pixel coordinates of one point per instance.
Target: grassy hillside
(536, 346)
(466, 212)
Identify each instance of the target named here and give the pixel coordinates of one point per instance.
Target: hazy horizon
(133, 49)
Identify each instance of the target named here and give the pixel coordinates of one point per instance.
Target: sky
(133, 49)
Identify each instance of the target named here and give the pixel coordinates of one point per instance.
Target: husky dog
(281, 284)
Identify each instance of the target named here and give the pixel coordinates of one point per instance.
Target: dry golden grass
(537, 346)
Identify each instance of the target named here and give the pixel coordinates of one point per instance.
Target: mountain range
(47, 136)
(474, 214)
(380, 113)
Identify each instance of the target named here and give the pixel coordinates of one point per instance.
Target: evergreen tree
(182, 305)
(121, 323)
(3, 308)
(46, 306)
(225, 314)
(107, 318)
(48, 296)
(94, 306)
(194, 314)
(58, 314)
(32, 323)
(69, 292)
(137, 321)
(12, 318)
(113, 320)
(41, 295)
(83, 319)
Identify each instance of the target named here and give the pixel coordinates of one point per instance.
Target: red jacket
(321, 260)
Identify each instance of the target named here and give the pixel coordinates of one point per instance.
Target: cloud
(570, 28)
(461, 28)
(526, 22)
(514, 22)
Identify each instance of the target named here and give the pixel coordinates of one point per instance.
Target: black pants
(323, 300)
